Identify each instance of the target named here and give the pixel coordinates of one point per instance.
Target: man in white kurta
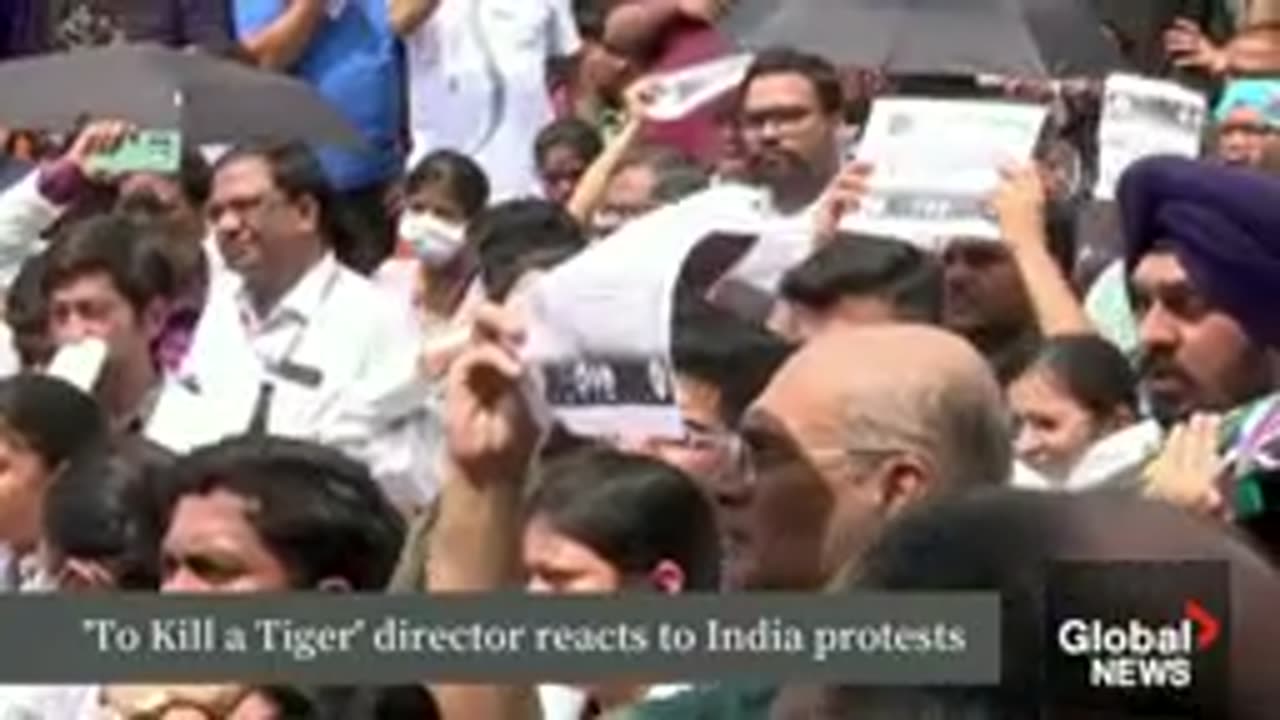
(292, 343)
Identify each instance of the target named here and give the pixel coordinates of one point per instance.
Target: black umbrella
(208, 99)
(929, 37)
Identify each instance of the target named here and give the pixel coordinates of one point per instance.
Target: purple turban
(1224, 225)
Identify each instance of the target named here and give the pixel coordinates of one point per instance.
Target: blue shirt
(354, 62)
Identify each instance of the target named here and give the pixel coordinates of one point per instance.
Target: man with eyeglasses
(791, 112)
(294, 344)
(860, 425)
(722, 364)
(1247, 118)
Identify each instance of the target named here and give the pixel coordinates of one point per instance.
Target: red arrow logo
(1209, 627)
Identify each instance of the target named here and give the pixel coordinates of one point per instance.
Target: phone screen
(157, 151)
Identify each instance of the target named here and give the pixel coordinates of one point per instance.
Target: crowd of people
(314, 377)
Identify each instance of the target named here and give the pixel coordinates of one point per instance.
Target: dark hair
(514, 237)
(573, 133)
(906, 277)
(591, 17)
(27, 312)
(815, 68)
(632, 511)
(457, 174)
(1091, 370)
(196, 177)
(318, 511)
(105, 508)
(717, 347)
(126, 249)
(53, 417)
(676, 175)
(297, 173)
(398, 702)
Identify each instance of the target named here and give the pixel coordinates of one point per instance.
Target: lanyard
(260, 420)
(253, 329)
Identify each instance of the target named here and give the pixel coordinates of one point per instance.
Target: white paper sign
(80, 363)
(1142, 118)
(184, 419)
(599, 326)
(678, 93)
(936, 164)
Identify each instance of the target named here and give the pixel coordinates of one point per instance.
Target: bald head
(898, 388)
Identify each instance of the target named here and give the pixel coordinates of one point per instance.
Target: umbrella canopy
(208, 99)
(929, 37)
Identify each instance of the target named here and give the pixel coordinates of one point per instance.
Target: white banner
(1141, 118)
(936, 164)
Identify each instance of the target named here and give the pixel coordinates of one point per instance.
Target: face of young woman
(557, 564)
(1054, 431)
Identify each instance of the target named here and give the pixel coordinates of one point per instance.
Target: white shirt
(783, 239)
(564, 702)
(1115, 462)
(341, 359)
(25, 215)
(478, 83)
(47, 702)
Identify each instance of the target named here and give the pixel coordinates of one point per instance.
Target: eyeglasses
(749, 461)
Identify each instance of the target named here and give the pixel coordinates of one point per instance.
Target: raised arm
(591, 188)
(475, 544)
(406, 16)
(637, 25)
(1019, 204)
(279, 45)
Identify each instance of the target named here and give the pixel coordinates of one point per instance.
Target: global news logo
(1140, 655)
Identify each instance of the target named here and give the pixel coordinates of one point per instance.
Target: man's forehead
(1160, 267)
(781, 88)
(244, 170)
(1242, 116)
(91, 284)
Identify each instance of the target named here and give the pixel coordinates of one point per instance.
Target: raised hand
(490, 429)
(1187, 471)
(844, 195)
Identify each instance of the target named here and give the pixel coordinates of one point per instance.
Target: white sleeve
(25, 215)
(564, 36)
(388, 419)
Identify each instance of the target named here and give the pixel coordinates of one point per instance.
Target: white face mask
(434, 241)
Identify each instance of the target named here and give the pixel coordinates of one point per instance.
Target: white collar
(303, 300)
(1116, 457)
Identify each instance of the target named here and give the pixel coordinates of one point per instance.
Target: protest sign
(80, 363)
(936, 164)
(678, 93)
(599, 326)
(1143, 117)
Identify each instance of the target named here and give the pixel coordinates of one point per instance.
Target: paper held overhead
(679, 93)
(599, 326)
(1141, 118)
(936, 164)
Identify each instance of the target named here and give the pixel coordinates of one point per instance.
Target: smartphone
(158, 151)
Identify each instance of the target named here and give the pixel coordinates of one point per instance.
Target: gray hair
(677, 176)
